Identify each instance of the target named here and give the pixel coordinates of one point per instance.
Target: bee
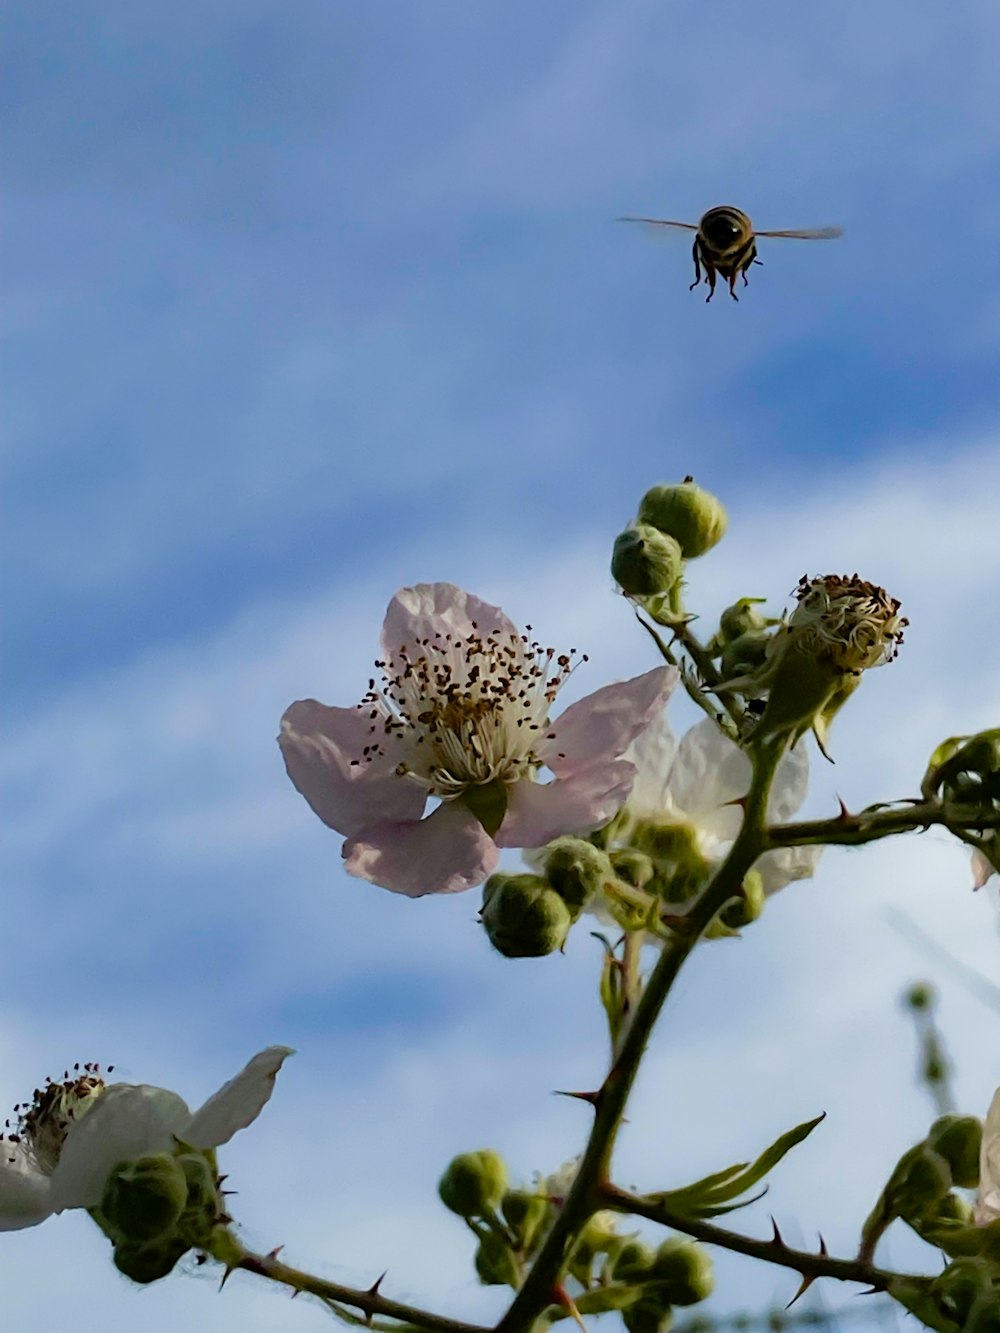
(725, 243)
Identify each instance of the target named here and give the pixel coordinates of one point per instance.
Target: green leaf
(715, 1194)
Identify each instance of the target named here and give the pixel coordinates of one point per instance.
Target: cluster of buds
(157, 1208)
(674, 524)
(528, 916)
(605, 1270)
(964, 775)
(920, 1189)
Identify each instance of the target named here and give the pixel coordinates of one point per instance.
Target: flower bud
(742, 618)
(739, 912)
(576, 869)
(683, 1272)
(145, 1198)
(745, 655)
(962, 1283)
(527, 1214)
(474, 1183)
(919, 997)
(695, 518)
(633, 1262)
(967, 769)
(648, 1316)
(495, 1265)
(645, 561)
(597, 1237)
(984, 1317)
(523, 916)
(633, 867)
(204, 1207)
(919, 1183)
(673, 847)
(151, 1261)
(958, 1138)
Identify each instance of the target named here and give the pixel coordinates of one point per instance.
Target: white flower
(698, 781)
(66, 1143)
(988, 1198)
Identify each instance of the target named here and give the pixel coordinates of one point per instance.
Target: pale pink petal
(445, 853)
(653, 754)
(239, 1102)
(602, 726)
(323, 749)
(786, 864)
(539, 812)
(428, 609)
(129, 1121)
(981, 870)
(25, 1190)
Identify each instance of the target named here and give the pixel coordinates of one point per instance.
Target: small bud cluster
(607, 1271)
(964, 775)
(528, 916)
(154, 1210)
(920, 1190)
(674, 524)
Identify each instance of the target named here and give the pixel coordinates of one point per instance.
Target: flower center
(846, 621)
(468, 709)
(42, 1124)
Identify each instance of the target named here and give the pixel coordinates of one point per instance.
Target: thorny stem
(370, 1302)
(774, 1251)
(631, 985)
(583, 1198)
(869, 825)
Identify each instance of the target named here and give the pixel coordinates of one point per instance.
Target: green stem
(370, 1302)
(711, 707)
(583, 1198)
(774, 1251)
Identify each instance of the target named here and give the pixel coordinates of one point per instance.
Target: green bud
(474, 1183)
(962, 1283)
(919, 997)
(633, 1262)
(958, 1138)
(742, 618)
(149, 1262)
(526, 1214)
(576, 870)
(647, 1316)
(746, 655)
(695, 518)
(645, 561)
(683, 1271)
(597, 1237)
(144, 1199)
(970, 773)
(523, 916)
(633, 867)
(204, 1207)
(673, 847)
(739, 912)
(920, 1181)
(495, 1265)
(984, 1317)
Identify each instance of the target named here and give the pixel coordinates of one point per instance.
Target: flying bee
(725, 243)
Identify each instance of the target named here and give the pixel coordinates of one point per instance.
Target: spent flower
(460, 715)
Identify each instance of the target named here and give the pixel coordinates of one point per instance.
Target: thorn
(225, 1276)
(845, 814)
(591, 1098)
(803, 1288)
(561, 1296)
(373, 1289)
(822, 1246)
(273, 1254)
(741, 801)
(777, 1239)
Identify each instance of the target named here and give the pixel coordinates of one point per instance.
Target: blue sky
(303, 304)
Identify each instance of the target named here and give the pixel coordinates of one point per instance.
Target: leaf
(715, 1194)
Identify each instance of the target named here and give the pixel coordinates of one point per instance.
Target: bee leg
(732, 284)
(710, 279)
(697, 268)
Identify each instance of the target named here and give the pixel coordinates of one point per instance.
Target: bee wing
(815, 234)
(661, 222)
